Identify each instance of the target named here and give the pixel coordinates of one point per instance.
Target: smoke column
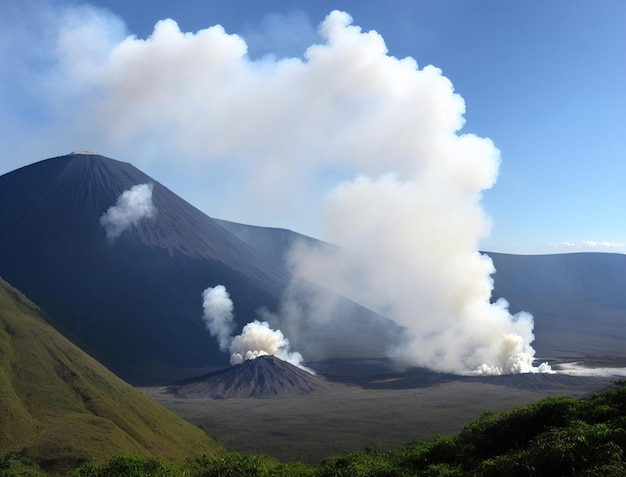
(218, 315)
(257, 338)
(132, 206)
(369, 145)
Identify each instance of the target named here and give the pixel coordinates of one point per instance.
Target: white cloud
(132, 206)
(588, 246)
(364, 142)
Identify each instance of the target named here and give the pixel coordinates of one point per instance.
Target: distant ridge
(263, 377)
(61, 406)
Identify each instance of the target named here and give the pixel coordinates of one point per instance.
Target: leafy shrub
(129, 466)
(16, 465)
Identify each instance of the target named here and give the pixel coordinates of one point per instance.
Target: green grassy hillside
(62, 407)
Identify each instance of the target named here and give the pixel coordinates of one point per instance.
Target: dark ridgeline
(263, 377)
(134, 304)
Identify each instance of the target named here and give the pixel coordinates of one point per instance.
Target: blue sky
(544, 80)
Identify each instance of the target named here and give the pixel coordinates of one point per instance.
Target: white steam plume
(256, 339)
(132, 206)
(218, 315)
(421, 268)
(377, 137)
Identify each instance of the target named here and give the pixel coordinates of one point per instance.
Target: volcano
(134, 303)
(263, 377)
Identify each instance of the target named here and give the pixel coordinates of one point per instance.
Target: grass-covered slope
(63, 407)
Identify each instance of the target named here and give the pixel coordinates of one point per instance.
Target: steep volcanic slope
(135, 303)
(273, 243)
(263, 377)
(578, 300)
(64, 407)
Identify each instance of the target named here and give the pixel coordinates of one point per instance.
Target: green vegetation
(62, 413)
(60, 408)
(557, 437)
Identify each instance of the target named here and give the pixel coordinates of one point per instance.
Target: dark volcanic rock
(263, 377)
(274, 243)
(135, 304)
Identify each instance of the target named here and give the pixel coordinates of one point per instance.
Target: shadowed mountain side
(263, 377)
(577, 299)
(273, 243)
(135, 303)
(64, 407)
(573, 297)
(414, 378)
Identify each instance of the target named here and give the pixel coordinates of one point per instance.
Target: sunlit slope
(64, 407)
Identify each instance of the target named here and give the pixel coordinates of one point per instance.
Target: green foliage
(493, 434)
(359, 464)
(226, 465)
(235, 465)
(19, 465)
(129, 466)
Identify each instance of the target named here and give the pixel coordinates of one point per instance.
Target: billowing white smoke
(374, 138)
(256, 338)
(132, 206)
(218, 315)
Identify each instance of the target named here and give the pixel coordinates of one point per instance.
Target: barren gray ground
(351, 417)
